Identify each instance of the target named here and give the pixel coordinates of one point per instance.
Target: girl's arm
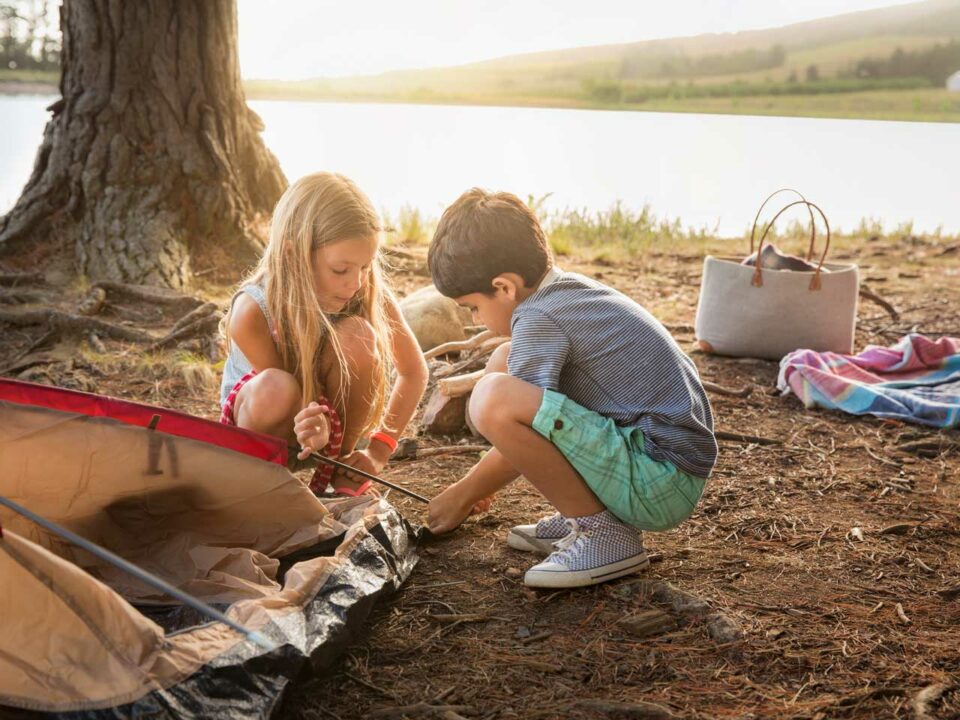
(412, 376)
(249, 331)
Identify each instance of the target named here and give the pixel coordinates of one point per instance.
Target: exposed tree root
(75, 324)
(15, 279)
(200, 328)
(177, 302)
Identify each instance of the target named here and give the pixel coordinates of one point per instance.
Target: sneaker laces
(565, 545)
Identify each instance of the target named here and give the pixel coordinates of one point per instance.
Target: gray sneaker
(541, 537)
(598, 548)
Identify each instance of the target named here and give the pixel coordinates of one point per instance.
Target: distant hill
(905, 47)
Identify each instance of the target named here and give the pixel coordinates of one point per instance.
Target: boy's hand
(449, 509)
(312, 428)
(481, 506)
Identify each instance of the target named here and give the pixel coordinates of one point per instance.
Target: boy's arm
(451, 507)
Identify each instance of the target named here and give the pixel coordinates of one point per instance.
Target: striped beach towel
(917, 380)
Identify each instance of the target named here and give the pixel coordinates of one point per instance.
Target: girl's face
(341, 269)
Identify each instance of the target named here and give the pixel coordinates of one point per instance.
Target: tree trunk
(152, 156)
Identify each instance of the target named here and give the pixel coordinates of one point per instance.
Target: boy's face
(496, 309)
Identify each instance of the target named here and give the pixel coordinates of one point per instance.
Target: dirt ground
(836, 554)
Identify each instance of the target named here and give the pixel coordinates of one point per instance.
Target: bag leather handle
(813, 227)
(815, 283)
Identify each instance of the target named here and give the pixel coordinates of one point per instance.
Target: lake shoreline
(888, 106)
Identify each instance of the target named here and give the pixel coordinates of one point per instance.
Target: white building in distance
(953, 82)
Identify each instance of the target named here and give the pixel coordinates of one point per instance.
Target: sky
(296, 39)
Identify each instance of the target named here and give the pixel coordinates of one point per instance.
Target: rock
(434, 319)
(444, 415)
(513, 573)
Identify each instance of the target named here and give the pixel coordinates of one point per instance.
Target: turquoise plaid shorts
(641, 491)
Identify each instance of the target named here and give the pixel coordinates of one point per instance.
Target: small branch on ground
(720, 626)
(740, 437)
(868, 294)
(937, 444)
(460, 384)
(459, 345)
(449, 712)
(743, 392)
(645, 710)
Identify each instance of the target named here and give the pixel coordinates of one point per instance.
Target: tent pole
(368, 476)
(139, 573)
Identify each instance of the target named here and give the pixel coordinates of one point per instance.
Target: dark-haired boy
(592, 401)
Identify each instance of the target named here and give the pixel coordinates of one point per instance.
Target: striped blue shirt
(607, 353)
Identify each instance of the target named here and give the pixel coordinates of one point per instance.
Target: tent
(211, 510)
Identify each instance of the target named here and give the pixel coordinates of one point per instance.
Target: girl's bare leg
(268, 402)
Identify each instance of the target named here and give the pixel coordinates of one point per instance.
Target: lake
(707, 170)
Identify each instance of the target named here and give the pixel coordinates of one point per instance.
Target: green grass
(46, 77)
(618, 234)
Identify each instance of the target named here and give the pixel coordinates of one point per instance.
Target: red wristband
(386, 440)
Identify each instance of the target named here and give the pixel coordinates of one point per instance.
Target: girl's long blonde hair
(316, 210)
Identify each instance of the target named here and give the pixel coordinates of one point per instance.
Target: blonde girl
(312, 331)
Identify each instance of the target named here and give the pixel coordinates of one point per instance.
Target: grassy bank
(619, 234)
(909, 104)
(918, 105)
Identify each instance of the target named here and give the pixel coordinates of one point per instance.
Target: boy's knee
(490, 401)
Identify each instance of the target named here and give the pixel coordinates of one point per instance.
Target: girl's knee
(273, 396)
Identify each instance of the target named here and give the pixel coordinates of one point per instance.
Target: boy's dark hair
(482, 235)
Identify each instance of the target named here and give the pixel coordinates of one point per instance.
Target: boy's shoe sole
(524, 537)
(554, 575)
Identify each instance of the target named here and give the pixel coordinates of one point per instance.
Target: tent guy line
(137, 572)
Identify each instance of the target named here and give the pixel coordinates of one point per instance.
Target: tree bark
(152, 156)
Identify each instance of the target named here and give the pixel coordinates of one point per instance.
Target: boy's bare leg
(503, 409)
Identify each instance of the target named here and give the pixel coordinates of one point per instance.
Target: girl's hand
(312, 428)
(361, 460)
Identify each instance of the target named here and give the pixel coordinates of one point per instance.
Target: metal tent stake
(368, 476)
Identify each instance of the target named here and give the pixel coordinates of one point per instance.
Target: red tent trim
(172, 422)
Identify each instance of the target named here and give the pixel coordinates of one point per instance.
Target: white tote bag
(749, 311)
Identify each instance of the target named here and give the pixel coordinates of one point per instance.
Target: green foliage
(643, 63)
(29, 38)
(605, 92)
(411, 227)
(615, 233)
(676, 91)
(936, 64)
